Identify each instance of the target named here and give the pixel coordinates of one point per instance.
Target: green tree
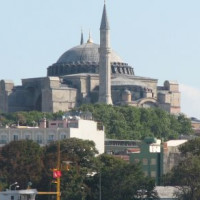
(185, 125)
(186, 174)
(81, 154)
(191, 148)
(21, 119)
(21, 161)
(127, 122)
(31, 118)
(120, 180)
(187, 177)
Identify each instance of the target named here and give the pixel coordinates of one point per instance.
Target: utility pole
(100, 185)
(58, 169)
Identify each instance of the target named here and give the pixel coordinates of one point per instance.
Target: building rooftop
(166, 192)
(174, 143)
(195, 120)
(88, 52)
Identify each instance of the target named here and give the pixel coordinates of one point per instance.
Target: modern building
(75, 128)
(89, 73)
(150, 157)
(156, 158)
(149, 153)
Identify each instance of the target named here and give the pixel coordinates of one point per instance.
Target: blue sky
(159, 38)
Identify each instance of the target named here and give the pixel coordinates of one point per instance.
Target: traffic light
(56, 173)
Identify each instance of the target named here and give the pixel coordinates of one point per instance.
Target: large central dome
(85, 59)
(87, 52)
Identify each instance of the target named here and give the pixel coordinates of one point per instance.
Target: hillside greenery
(31, 118)
(120, 122)
(127, 122)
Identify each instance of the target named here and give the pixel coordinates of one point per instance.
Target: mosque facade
(89, 73)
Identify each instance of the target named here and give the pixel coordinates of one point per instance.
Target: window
(62, 137)
(153, 174)
(27, 137)
(144, 161)
(136, 160)
(153, 161)
(145, 173)
(51, 138)
(3, 139)
(39, 139)
(72, 124)
(60, 125)
(15, 137)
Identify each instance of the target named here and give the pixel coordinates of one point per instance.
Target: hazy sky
(159, 38)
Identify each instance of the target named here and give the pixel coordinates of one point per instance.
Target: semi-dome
(87, 52)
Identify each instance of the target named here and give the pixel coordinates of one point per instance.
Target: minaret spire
(104, 20)
(90, 38)
(82, 39)
(104, 60)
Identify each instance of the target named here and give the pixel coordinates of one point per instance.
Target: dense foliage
(21, 161)
(119, 180)
(126, 122)
(31, 118)
(186, 174)
(121, 122)
(80, 154)
(25, 161)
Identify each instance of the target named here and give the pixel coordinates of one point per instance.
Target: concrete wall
(89, 130)
(171, 154)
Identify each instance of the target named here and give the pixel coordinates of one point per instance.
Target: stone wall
(54, 100)
(6, 88)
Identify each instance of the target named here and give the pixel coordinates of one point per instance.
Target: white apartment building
(76, 128)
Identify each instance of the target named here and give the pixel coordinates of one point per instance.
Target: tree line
(23, 118)
(121, 122)
(127, 122)
(86, 178)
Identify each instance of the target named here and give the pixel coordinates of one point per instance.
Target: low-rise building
(75, 128)
(150, 157)
(195, 125)
(156, 158)
(171, 154)
(121, 148)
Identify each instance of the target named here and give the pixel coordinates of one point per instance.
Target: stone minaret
(104, 61)
(82, 40)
